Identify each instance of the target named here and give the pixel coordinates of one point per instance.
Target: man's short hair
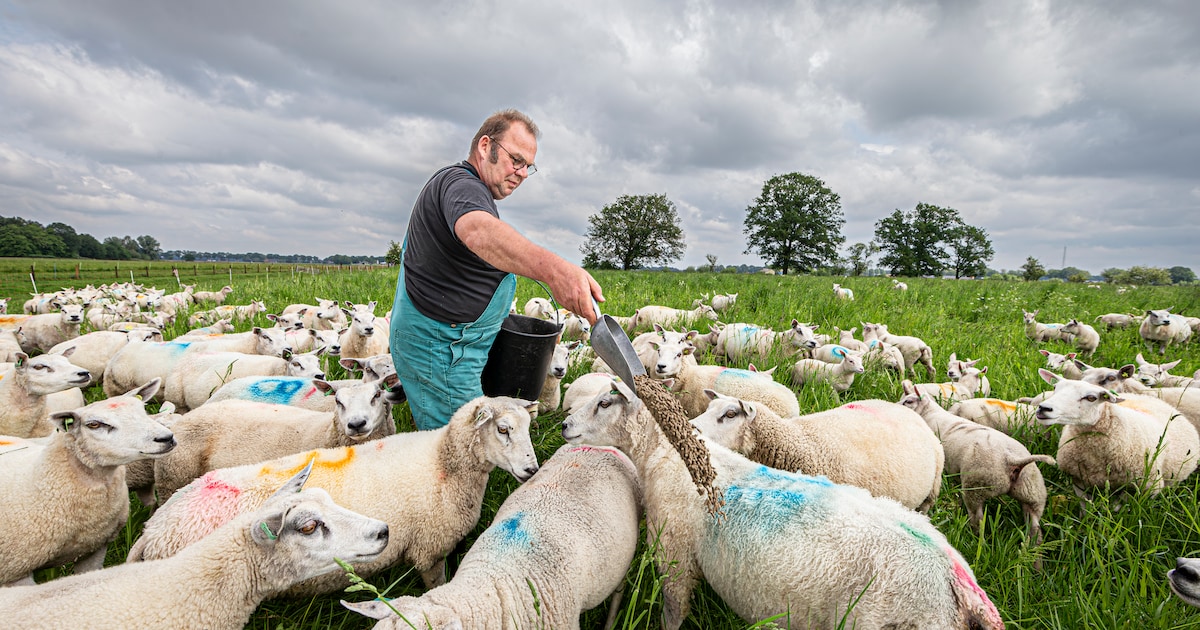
(497, 125)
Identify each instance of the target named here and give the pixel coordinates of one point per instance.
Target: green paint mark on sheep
(922, 537)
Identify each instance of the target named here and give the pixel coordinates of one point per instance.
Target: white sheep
(1164, 328)
(846, 340)
(722, 302)
(427, 485)
(842, 293)
(216, 297)
(1066, 363)
(288, 321)
(324, 315)
(9, 346)
(237, 313)
(647, 316)
(876, 445)
(884, 355)
(93, 350)
(39, 333)
(988, 462)
(560, 544)
(968, 386)
(551, 394)
(236, 432)
(66, 499)
(899, 286)
(365, 337)
(541, 308)
(1156, 374)
(786, 546)
(197, 374)
(1037, 331)
(674, 361)
(216, 583)
(741, 341)
(840, 376)
(1179, 400)
(582, 390)
(913, 348)
(832, 353)
(1118, 320)
(957, 368)
(307, 339)
(1002, 415)
(219, 327)
(1086, 339)
(1103, 444)
(575, 328)
(24, 387)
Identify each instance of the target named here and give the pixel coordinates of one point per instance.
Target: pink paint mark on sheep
(309, 393)
(213, 501)
(964, 578)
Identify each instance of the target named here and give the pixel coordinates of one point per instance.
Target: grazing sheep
(914, 350)
(1065, 363)
(1184, 580)
(236, 432)
(39, 333)
(843, 294)
(1037, 331)
(1118, 320)
(551, 394)
(787, 546)
(1104, 444)
(839, 376)
(560, 544)
(1164, 328)
(364, 337)
(24, 387)
(66, 499)
(721, 303)
(216, 297)
(1156, 375)
(647, 316)
(740, 341)
(1086, 337)
(427, 485)
(236, 313)
(988, 462)
(216, 583)
(876, 445)
(1002, 415)
(324, 315)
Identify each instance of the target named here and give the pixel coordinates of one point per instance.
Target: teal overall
(440, 364)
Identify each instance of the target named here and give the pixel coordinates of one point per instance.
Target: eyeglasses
(518, 162)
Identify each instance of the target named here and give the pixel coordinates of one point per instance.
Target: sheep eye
(502, 430)
(730, 414)
(309, 527)
(605, 403)
(40, 367)
(1090, 398)
(93, 424)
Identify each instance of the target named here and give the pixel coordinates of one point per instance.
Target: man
(456, 281)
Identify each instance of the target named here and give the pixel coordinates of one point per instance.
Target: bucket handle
(549, 294)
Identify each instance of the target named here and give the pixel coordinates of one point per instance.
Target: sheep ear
(1141, 360)
(624, 390)
(21, 357)
(296, 483)
(347, 312)
(65, 420)
(573, 345)
(258, 331)
(1081, 365)
(287, 354)
(668, 383)
(323, 386)
(751, 368)
(953, 357)
(1048, 376)
(71, 350)
(908, 387)
(1127, 371)
(1165, 366)
(147, 391)
(350, 364)
(983, 371)
(374, 609)
(712, 395)
(1044, 353)
(483, 414)
(1111, 397)
(749, 409)
(273, 317)
(389, 382)
(691, 334)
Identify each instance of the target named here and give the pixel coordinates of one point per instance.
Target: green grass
(1102, 567)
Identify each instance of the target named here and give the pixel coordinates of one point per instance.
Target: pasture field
(1102, 567)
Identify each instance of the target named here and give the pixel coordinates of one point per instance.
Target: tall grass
(1103, 567)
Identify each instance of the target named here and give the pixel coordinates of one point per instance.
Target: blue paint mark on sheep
(511, 531)
(766, 500)
(276, 390)
(178, 346)
(839, 351)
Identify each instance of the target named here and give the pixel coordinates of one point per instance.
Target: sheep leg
(435, 575)
(91, 562)
(677, 595)
(974, 503)
(614, 604)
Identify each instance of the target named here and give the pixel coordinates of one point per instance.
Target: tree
(914, 243)
(89, 247)
(148, 247)
(634, 231)
(1146, 275)
(712, 262)
(1032, 269)
(1180, 275)
(1066, 273)
(68, 236)
(395, 254)
(859, 257)
(795, 224)
(970, 250)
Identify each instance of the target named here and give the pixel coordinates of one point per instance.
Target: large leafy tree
(634, 231)
(1032, 269)
(915, 243)
(970, 250)
(859, 257)
(795, 224)
(1181, 274)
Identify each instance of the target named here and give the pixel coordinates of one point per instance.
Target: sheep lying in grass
(1156, 375)
(198, 374)
(237, 313)
(899, 286)
(914, 350)
(1004, 416)
(1163, 328)
(739, 342)
(64, 500)
(324, 315)
(24, 387)
(1066, 363)
(1086, 339)
(1105, 445)
(967, 387)
(988, 462)
(39, 333)
(216, 583)
(647, 316)
(723, 302)
(1184, 580)
(427, 485)
(800, 549)
(1037, 331)
(876, 445)
(1118, 320)
(560, 544)
(93, 350)
(839, 376)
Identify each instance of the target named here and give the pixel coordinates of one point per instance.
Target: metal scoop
(610, 343)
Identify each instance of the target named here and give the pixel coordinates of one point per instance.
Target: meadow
(1101, 567)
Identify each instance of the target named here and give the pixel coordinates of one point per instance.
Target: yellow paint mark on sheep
(331, 465)
(1003, 404)
(6, 443)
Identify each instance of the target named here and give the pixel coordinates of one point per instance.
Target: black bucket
(520, 357)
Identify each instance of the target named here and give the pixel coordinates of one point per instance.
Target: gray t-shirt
(445, 280)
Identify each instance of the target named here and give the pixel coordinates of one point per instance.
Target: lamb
(674, 361)
(1086, 337)
(551, 395)
(1164, 328)
(236, 432)
(721, 303)
(957, 368)
(914, 350)
(885, 355)
(846, 340)
(93, 350)
(216, 297)
(216, 583)
(738, 342)
(966, 387)
(39, 333)
(839, 376)
(427, 485)
(988, 462)
(1065, 363)
(1004, 416)
(66, 499)
(582, 509)
(25, 386)
(237, 313)
(832, 353)
(324, 315)
(877, 445)
(364, 338)
(575, 328)
(647, 316)
(784, 544)
(899, 286)
(197, 374)
(1103, 444)
(307, 339)
(219, 327)
(288, 321)
(1118, 320)
(1155, 374)
(541, 308)
(1037, 331)
(1184, 580)
(708, 341)
(843, 294)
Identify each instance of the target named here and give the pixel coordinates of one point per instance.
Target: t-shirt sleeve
(465, 195)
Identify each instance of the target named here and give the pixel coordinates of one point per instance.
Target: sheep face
(272, 342)
(1184, 580)
(502, 430)
(362, 324)
(1073, 402)
(328, 309)
(1160, 317)
(289, 321)
(72, 314)
(49, 373)
(559, 362)
(801, 335)
(1029, 318)
(725, 419)
(852, 363)
(144, 334)
(117, 430)
(1055, 360)
(1108, 378)
(669, 357)
(605, 421)
(305, 365)
(362, 407)
(1152, 374)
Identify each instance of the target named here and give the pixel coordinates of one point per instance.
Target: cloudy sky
(308, 127)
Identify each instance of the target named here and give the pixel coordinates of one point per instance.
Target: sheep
(1118, 320)
(198, 374)
(1184, 580)
(885, 355)
(324, 315)
(842, 294)
(157, 321)
(831, 353)
(235, 432)
(1086, 338)
(914, 350)
(541, 308)
(39, 333)
(216, 297)
(839, 376)
(899, 286)
(846, 340)
(1065, 363)
(68, 495)
(1164, 328)
(427, 485)
(219, 327)
(288, 321)
(1002, 415)
(721, 303)
(1103, 444)
(988, 462)
(673, 360)
(24, 387)
(957, 368)
(877, 445)
(667, 316)
(1037, 331)
(307, 339)
(364, 337)
(560, 544)
(93, 350)
(582, 390)
(738, 342)
(301, 391)
(575, 328)
(967, 387)
(9, 346)
(708, 341)
(216, 583)
(1181, 400)
(784, 544)
(551, 395)
(1155, 374)
(237, 313)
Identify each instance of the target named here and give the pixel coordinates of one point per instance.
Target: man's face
(497, 166)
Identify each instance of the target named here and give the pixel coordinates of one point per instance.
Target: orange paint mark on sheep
(1003, 404)
(6, 443)
(333, 464)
